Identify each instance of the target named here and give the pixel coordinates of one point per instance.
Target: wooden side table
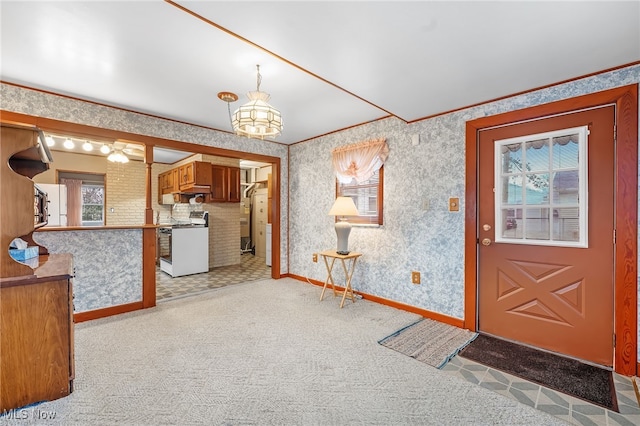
(348, 272)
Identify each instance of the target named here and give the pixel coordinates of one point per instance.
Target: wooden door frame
(626, 210)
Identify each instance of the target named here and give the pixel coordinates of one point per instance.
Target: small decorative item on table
(24, 254)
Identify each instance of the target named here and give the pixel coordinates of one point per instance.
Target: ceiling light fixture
(105, 149)
(50, 141)
(118, 156)
(87, 146)
(256, 118)
(68, 143)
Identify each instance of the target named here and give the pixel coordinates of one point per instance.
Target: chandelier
(256, 118)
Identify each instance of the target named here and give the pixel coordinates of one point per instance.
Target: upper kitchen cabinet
(234, 185)
(195, 177)
(226, 184)
(168, 183)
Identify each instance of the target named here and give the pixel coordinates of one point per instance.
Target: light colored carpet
(429, 341)
(264, 353)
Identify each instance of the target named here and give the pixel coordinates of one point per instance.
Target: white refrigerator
(57, 197)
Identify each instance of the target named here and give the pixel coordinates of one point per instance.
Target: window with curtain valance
(359, 172)
(359, 161)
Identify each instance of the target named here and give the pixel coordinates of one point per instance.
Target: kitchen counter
(107, 261)
(94, 228)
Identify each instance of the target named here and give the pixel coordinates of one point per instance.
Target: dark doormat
(587, 382)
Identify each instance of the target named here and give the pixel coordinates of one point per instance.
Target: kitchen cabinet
(36, 296)
(173, 181)
(168, 183)
(162, 177)
(234, 185)
(195, 177)
(259, 222)
(190, 178)
(225, 184)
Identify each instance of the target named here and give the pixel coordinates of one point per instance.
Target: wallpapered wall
(419, 233)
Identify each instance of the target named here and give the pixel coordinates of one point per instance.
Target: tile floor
(251, 268)
(565, 407)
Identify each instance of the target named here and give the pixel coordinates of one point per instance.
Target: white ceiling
(331, 65)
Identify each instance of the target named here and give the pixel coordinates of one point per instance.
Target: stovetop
(199, 219)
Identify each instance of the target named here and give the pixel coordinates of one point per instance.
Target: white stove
(189, 246)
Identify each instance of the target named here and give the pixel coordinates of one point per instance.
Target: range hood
(194, 189)
(183, 198)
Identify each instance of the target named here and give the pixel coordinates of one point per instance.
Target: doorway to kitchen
(238, 228)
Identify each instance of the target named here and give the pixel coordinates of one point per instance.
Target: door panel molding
(626, 210)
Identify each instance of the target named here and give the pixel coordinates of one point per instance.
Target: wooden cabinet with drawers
(36, 335)
(36, 296)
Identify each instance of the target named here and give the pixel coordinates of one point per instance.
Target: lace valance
(359, 161)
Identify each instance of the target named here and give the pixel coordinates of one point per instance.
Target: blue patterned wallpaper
(419, 233)
(107, 264)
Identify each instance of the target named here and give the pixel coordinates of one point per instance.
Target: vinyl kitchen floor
(250, 268)
(573, 410)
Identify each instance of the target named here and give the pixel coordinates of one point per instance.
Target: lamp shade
(343, 206)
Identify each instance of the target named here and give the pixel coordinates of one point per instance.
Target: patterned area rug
(429, 341)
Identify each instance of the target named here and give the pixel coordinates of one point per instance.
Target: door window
(540, 189)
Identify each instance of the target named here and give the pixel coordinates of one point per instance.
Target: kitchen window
(85, 198)
(92, 205)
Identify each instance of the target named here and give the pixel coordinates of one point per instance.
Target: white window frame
(583, 241)
(94, 222)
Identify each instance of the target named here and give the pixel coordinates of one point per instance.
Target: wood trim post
(149, 238)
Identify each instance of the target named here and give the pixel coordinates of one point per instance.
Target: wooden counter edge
(51, 267)
(95, 228)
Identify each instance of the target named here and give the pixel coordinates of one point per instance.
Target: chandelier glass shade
(256, 118)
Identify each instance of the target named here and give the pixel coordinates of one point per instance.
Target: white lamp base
(343, 228)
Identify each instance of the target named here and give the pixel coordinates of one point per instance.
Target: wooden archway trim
(626, 210)
(149, 231)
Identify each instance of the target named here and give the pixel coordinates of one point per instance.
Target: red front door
(546, 233)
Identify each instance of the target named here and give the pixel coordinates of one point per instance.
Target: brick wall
(125, 193)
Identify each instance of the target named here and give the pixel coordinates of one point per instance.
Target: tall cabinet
(36, 296)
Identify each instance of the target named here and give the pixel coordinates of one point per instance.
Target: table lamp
(344, 206)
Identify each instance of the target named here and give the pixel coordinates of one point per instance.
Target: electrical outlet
(415, 277)
(315, 257)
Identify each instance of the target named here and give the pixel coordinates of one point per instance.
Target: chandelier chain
(258, 78)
